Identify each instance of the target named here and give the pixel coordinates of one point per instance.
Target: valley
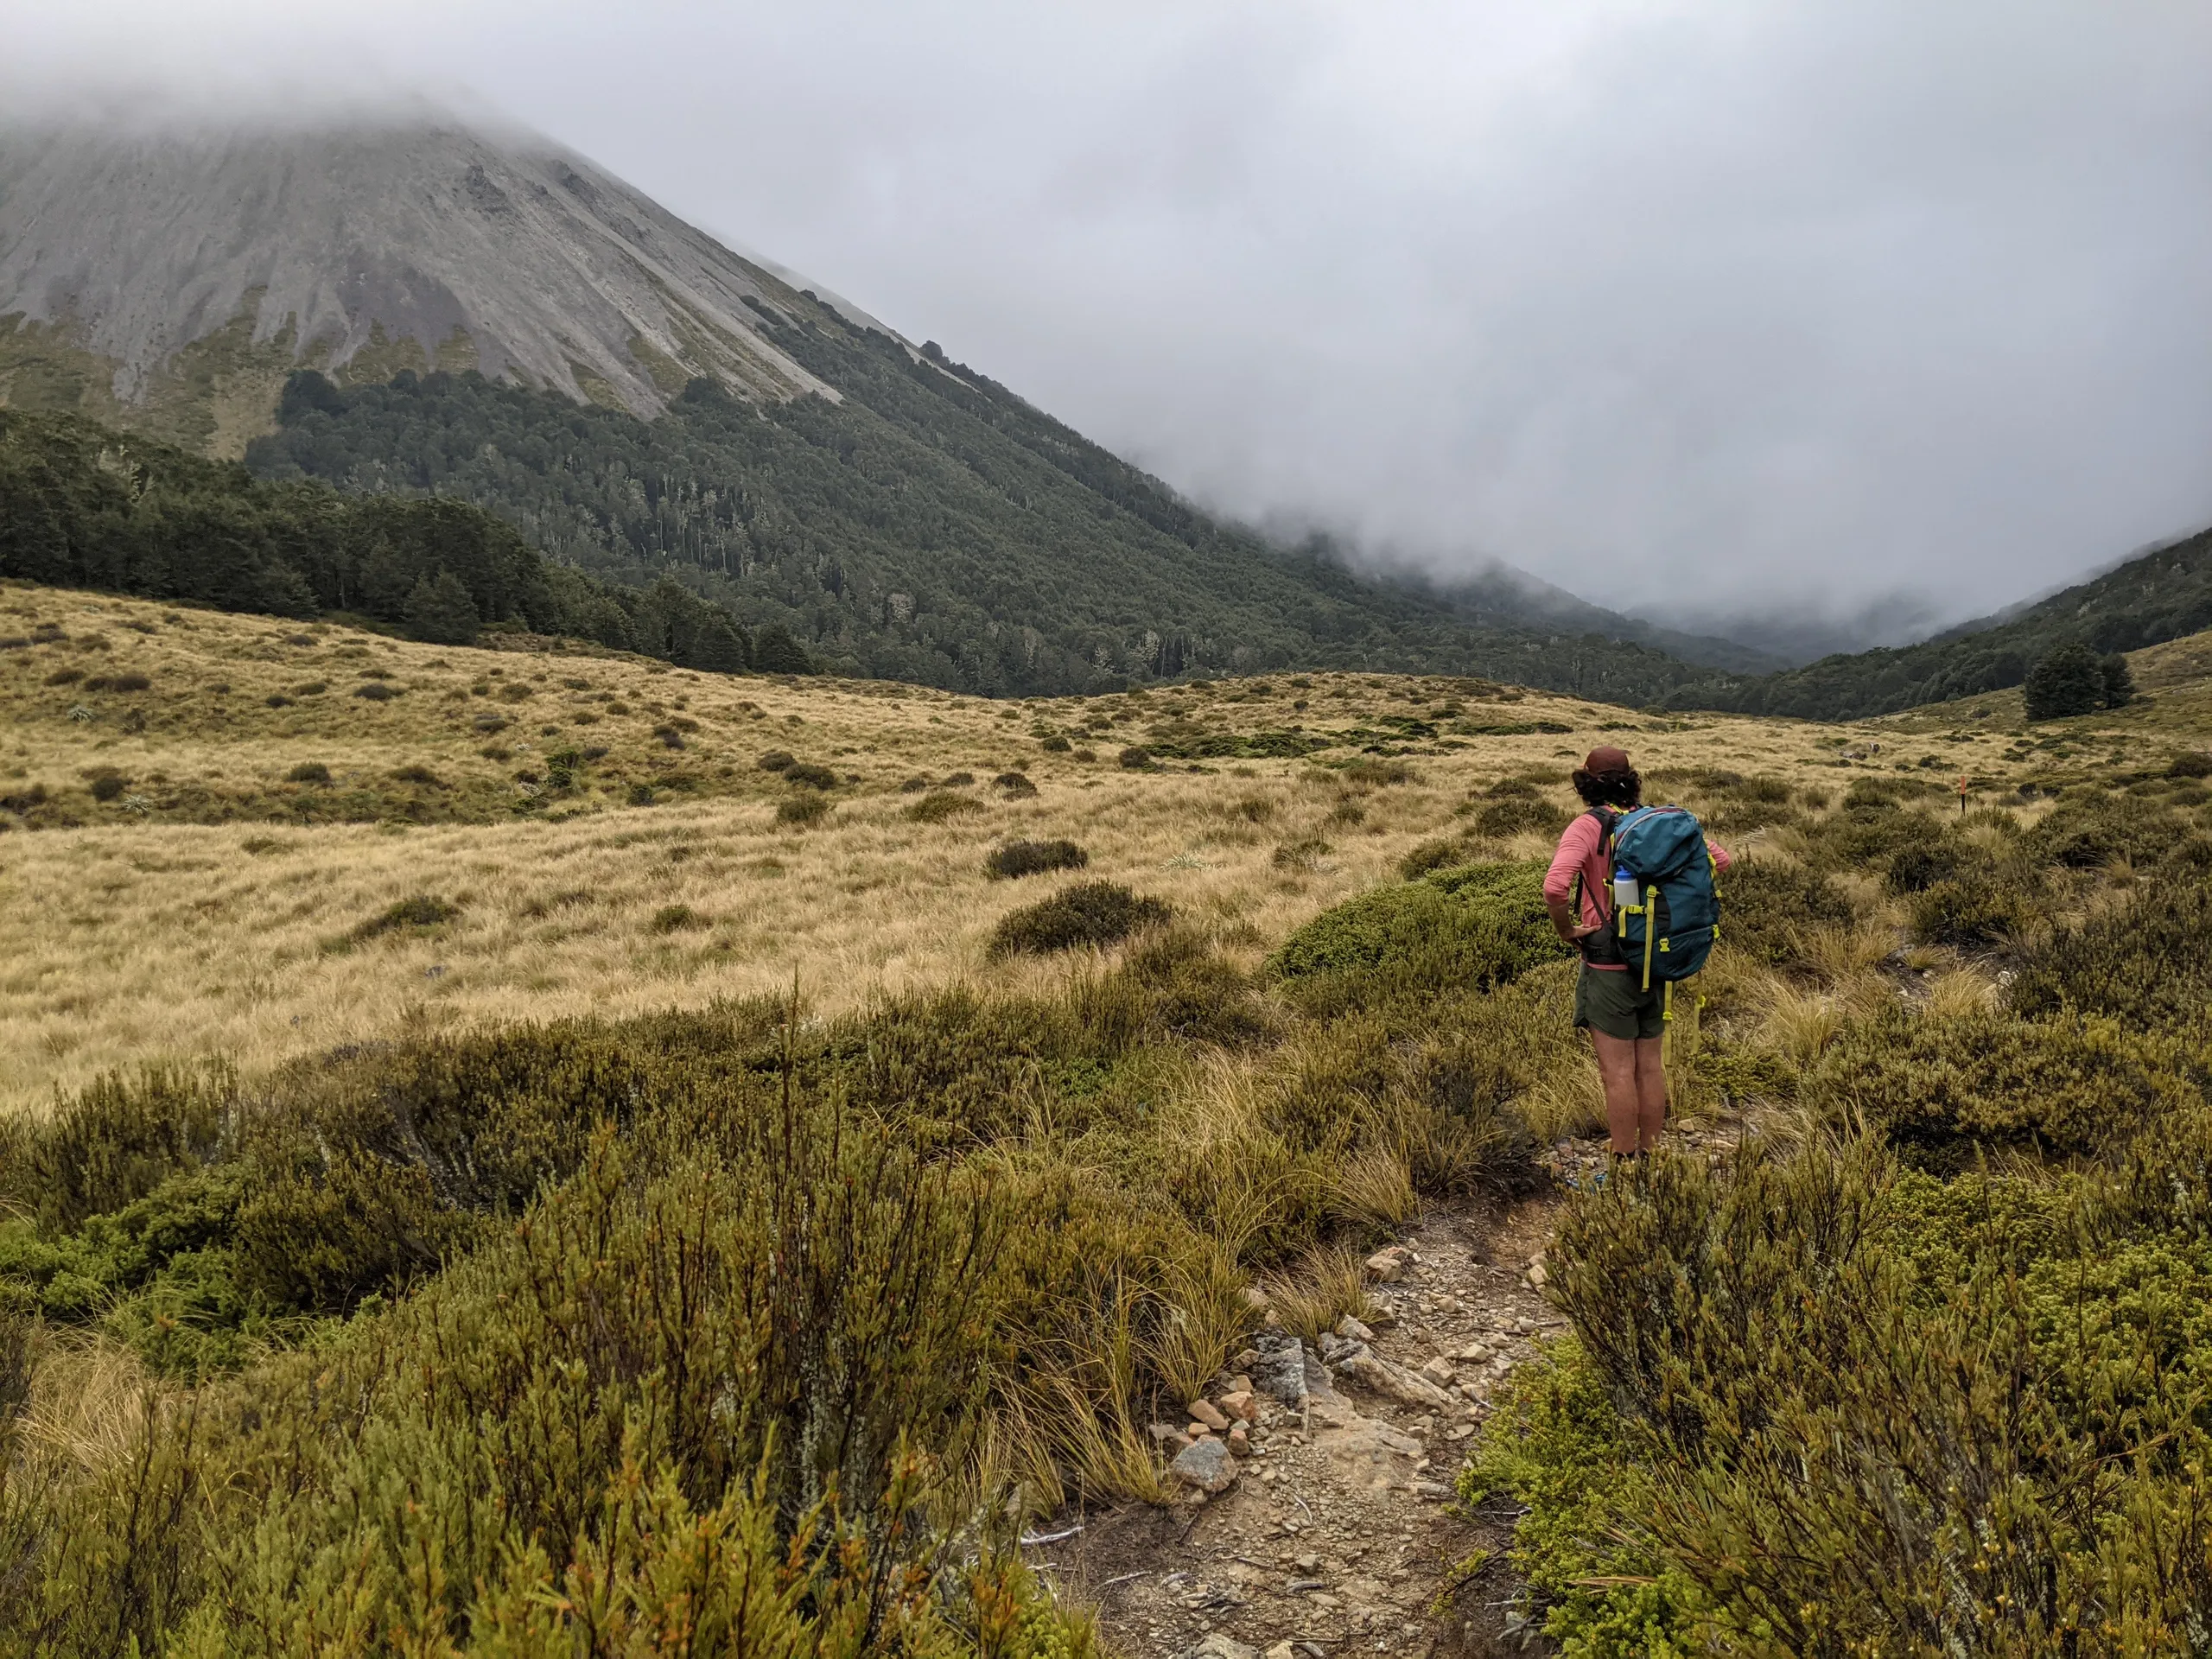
(335, 1018)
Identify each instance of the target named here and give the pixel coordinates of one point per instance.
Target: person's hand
(1576, 935)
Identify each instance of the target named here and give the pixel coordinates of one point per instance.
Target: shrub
(1020, 858)
(2090, 829)
(807, 776)
(1797, 1344)
(1765, 906)
(802, 812)
(309, 771)
(1368, 769)
(118, 683)
(71, 676)
(677, 918)
(1135, 758)
(1432, 855)
(417, 774)
(1462, 930)
(1973, 911)
(1919, 866)
(1054, 745)
(776, 761)
(1514, 814)
(1015, 784)
(941, 804)
(668, 736)
(2190, 763)
(2147, 963)
(417, 913)
(1305, 854)
(642, 795)
(375, 691)
(2065, 682)
(1091, 913)
(1938, 1090)
(109, 786)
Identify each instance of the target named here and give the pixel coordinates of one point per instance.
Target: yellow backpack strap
(1650, 912)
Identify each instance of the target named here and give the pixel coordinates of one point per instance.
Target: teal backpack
(1669, 933)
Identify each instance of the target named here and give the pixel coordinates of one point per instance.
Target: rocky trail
(1317, 1520)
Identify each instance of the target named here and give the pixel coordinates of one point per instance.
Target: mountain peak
(147, 264)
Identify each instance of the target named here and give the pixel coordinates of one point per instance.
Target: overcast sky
(1742, 304)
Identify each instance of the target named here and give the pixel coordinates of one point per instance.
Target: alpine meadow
(679, 979)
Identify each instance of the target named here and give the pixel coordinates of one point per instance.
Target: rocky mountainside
(423, 307)
(179, 276)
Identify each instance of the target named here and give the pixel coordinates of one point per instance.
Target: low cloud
(1842, 308)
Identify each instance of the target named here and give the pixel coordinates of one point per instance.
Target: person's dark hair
(1621, 789)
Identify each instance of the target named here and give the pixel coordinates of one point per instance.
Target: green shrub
(1135, 758)
(1020, 858)
(417, 913)
(1557, 1457)
(1015, 784)
(809, 776)
(1094, 913)
(942, 804)
(802, 811)
(642, 795)
(1852, 1447)
(378, 691)
(2147, 963)
(777, 760)
(677, 918)
(309, 771)
(1368, 769)
(1942, 1089)
(1766, 905)
(2093, 828)
(1466, 929)
(2190, 763)
(1430, 856)
(118, 683)
(417, 774)
(1920, 866)
(1512, 815)
(109, 785)
(1054, 744)
(1976, 910)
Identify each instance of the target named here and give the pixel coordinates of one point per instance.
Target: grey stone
(1279, 1370)
(1205, 1464)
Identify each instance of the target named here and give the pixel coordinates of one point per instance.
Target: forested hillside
(2161, 595)
(929, 527)
(84, 506)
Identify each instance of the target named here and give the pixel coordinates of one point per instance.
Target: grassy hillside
(2161, 595)
(493, 1201)
(930, 527)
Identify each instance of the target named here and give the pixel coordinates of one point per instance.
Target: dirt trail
(1335, 1538)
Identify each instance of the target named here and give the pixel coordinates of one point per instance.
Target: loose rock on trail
(1316, 1478)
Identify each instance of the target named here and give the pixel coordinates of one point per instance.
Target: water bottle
(1625, 896)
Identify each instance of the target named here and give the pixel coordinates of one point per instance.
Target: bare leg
(1651, 1092)
(1617, 1068)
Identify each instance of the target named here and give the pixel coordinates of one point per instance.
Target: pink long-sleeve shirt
(1582, 847)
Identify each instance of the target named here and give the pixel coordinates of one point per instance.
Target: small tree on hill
(774, 651)
(439, 611)
(2119, 681)
(2069, 680)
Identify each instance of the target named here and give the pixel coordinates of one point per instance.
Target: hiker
(1624, 992)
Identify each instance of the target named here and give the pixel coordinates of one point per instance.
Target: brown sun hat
(1607, 762)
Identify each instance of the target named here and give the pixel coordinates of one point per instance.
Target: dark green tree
(774, 651)
(440, 610)
(2067, 681)
(2119, 681)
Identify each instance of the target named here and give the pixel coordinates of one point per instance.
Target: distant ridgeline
(84, 506)
(930, 527)
(2163, 594)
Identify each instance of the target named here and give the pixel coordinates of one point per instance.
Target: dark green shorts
(1616, 1003)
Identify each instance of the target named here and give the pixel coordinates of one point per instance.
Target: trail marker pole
(1962, 794)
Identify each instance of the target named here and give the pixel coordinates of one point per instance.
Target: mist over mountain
(425, 308)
